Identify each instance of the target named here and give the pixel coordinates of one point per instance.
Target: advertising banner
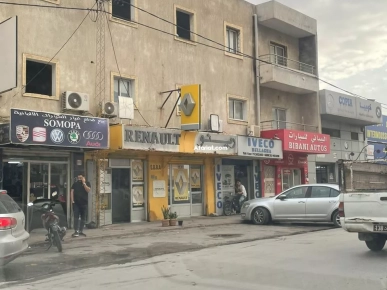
(181, 185)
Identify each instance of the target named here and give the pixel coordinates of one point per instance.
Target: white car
(309, 202)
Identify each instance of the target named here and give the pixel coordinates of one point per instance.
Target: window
(299, 192)
(40, 77)
(185, 25)
(332, 132)
(232, 40)
(320, 192)
(236, 109)
(278, 54)
(123, 87)
(122, 9)
(354, 136)
(334, 193)
(279, 118)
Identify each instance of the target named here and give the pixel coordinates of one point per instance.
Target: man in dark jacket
(79, 199)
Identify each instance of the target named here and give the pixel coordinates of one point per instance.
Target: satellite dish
(109, 108)
(75, 100)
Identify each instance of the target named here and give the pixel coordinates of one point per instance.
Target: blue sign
(377, 136)
(59, 130)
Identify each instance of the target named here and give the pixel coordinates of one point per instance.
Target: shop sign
(218, 186)
(215, 143)
(259, 148)
(306, 142)
(257, 180)
(140, 138)
(190, 107)
(159, 190)
(288, 160)
(138, 196)
(58, 130)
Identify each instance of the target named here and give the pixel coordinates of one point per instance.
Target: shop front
(173, 168)
(292, 170)
(245, 167)
(41, 154)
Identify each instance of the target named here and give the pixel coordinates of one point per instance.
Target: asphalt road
(330, 259)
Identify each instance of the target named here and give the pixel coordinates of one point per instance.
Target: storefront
(245, 167)
(292, 170)
(42, 153)
(163, 167)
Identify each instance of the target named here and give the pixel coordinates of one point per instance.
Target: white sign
(159, 188)
(106, 178)
(370, 152)
(259, 148)
(228, 180)
(219, 143)
(158, 139)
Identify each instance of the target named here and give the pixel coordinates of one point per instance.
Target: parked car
(309, 202)
(13, 236)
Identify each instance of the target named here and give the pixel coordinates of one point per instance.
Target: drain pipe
(257, 76)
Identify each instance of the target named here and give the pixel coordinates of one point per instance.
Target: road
(329, 259)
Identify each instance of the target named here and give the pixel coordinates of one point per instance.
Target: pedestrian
(79, 199)
(240, 190)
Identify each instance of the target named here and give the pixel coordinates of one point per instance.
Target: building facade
(344, 119)
(140, 64)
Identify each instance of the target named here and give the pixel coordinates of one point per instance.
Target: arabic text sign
(369, 110)
(259, 148)
(60, 130)
(306, 142)
(219, 143)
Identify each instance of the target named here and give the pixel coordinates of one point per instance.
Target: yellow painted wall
(157, 170)
(209, 190)
(116, 136)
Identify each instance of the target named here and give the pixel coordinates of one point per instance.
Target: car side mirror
(282, 197)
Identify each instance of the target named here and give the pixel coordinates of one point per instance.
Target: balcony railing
(286, 62)
(278, 125)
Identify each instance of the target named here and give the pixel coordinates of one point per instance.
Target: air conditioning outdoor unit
(253, 131)
(74, 101)
(109, 110)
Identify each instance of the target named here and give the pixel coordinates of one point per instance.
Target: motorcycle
(231, 203)
(55, 233)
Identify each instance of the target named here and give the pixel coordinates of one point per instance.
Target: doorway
(290, 178)
(121, 195)
(186, 190)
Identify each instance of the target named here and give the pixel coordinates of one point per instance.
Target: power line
(225, 47)
(48, 63)
(47, 6)
(118, 68)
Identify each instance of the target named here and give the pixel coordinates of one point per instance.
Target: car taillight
(7, 223)
(3, 192)
(341, 209)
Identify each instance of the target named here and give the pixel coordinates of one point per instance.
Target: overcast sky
(352, 37)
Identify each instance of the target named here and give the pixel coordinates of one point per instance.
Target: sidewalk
(37, 236)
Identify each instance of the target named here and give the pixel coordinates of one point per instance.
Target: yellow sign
(195, 178)
(190, 107)
(181, 185)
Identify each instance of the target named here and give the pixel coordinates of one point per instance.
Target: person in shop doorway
(79, 199)
(241, 193)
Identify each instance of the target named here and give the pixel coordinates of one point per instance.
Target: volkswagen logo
(93, 135)
(57, 136)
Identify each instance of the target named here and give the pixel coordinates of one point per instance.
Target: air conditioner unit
(74, 101)
(109, 110)
(254, 131)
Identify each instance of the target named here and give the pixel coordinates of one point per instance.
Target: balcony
(283, 125)
(280, 73)
(286, 20)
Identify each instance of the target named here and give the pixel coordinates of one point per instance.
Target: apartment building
(147, 64)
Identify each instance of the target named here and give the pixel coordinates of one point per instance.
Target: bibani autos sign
(50, 129)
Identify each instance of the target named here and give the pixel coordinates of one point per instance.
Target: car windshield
(7, 204)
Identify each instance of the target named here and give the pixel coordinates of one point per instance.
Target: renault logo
(93, 135)
(187, 104)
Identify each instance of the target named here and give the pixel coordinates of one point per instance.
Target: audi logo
(93, 135)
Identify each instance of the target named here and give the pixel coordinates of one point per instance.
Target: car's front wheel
(260, 216)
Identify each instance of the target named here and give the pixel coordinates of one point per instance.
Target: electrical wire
(118, 67)
(46, 6)
(48, 63)
(225, 47)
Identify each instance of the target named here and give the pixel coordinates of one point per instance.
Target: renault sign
(190, 107)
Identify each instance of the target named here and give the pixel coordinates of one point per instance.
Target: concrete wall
(158, 61)
(308, 51)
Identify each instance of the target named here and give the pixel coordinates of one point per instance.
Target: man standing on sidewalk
(79, 199)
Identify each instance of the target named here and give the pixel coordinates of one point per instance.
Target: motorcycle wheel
(227, 208)
(57, 240)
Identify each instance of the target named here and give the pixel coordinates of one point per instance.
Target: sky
(352, 43)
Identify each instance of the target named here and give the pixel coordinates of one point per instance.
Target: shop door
(269, 180)
(186, 190)
(121, 195)
(290, 178)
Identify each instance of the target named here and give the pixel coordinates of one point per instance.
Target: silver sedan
(309, 202)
